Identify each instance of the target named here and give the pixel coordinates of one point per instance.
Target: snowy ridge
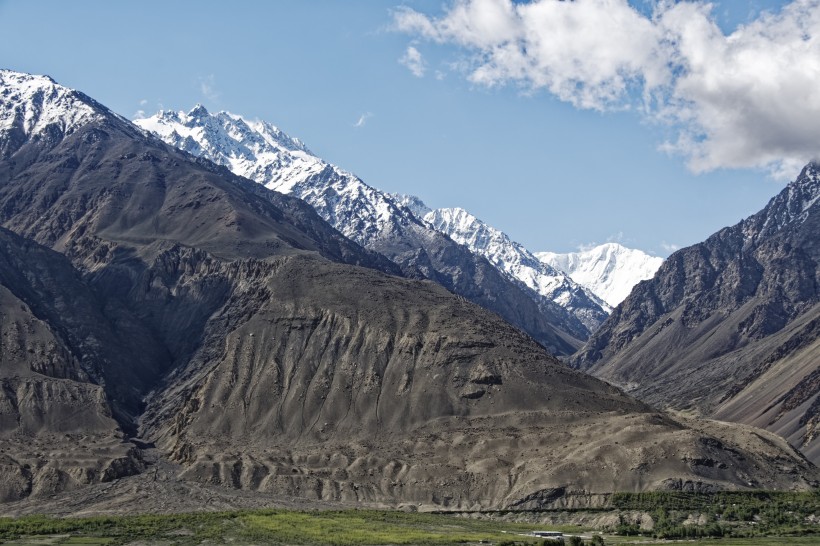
(34, 103)
(263, 153)
(610, 271)
(519, 263)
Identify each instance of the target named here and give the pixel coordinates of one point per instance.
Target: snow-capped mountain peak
(262, 152)
(609, 270)
(32, 104)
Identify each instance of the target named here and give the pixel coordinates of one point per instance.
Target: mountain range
(400, 227)
(171, 328)
(728, 328)
(518, 263)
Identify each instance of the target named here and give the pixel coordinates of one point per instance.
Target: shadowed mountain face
(275, 355)
(729, 327)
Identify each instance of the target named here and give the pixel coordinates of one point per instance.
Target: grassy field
(370, 527)
(353, 527)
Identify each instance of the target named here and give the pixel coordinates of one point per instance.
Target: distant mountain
(609, 271)
(518, 263)
(555, 312)
(253, 347)
(730, 327)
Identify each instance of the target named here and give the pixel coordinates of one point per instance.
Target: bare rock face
(259, 349)
(728, 327)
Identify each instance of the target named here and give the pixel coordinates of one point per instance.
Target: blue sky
(551, 172)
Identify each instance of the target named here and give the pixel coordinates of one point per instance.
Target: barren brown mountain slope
(292, 362)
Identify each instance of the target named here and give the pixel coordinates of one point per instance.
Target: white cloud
(413, 60)
(585, 52)
(669, 247)
(207, 86)
(749, 99)
(140, 113)
(362, 119)
(746, 99)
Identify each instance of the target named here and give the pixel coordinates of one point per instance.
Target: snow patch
(34, 103)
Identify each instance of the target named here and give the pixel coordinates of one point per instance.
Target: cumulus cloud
(414, 62)
(586, 52)
(746, 99)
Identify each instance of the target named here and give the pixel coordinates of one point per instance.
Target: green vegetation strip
(368, 528)
(757, 518)
(352, 527)
(723, 514)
